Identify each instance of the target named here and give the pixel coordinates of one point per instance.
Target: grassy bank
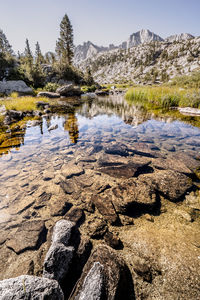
(164, 96)
(26, 103)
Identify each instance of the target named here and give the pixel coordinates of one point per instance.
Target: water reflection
(71, 125)
(70, 114)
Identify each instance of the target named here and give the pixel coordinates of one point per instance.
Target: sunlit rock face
(141, 37)
(179, 37)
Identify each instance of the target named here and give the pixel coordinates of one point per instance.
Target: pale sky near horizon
(102, 22)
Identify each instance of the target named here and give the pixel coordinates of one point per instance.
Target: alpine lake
(109, 166)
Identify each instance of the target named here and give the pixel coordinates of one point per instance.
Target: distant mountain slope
(144, 58)
(88, 49)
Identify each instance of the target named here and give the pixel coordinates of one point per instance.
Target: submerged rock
(134, 191)
(71, 170)
(106, 208)
(127, 170)
(28, 236)
(117, 149)
(171, 184)
(30, 287)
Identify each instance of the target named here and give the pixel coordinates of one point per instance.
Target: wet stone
(125, 170)
(171, 164)
(105, 207)
(75, 215)
(112, 240)
(131, 192)
(117, 149)
(71, 170)
(171, 184)
(97, 229)
(10, 173)
(68, 186)
(29, 236)
(59, 206)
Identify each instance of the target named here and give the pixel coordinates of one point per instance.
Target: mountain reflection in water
(109, 112)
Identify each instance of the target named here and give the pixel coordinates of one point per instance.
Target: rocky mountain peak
(141, 37)
(179, 37)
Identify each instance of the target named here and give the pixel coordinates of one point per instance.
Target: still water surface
(88, 128)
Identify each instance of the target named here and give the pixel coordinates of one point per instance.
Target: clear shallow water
(87, 130)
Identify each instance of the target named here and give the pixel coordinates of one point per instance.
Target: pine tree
(28, 54)
(64, 45)
(88, 77)
(5, 47)
(39, 58)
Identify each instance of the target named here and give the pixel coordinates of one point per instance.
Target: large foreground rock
(59, 255)
(104, 265)
(57, 261)
(93, 287)
(7, 87)
(62, 232)
(30, 287)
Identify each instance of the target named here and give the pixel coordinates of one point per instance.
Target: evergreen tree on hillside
(5, 47)
(7, 59)
(28, 54)
(64, 45)
(39, 58)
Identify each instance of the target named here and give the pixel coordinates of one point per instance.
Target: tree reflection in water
(71, 125)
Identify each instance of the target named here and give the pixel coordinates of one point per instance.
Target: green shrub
(189, 81)
(51, 87)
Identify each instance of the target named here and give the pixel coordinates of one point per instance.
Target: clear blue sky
(100, 21)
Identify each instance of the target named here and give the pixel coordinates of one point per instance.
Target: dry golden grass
(21, 103)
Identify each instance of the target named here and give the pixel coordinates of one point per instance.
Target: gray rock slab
(57, 261)
(62, 232)
(30, 287)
